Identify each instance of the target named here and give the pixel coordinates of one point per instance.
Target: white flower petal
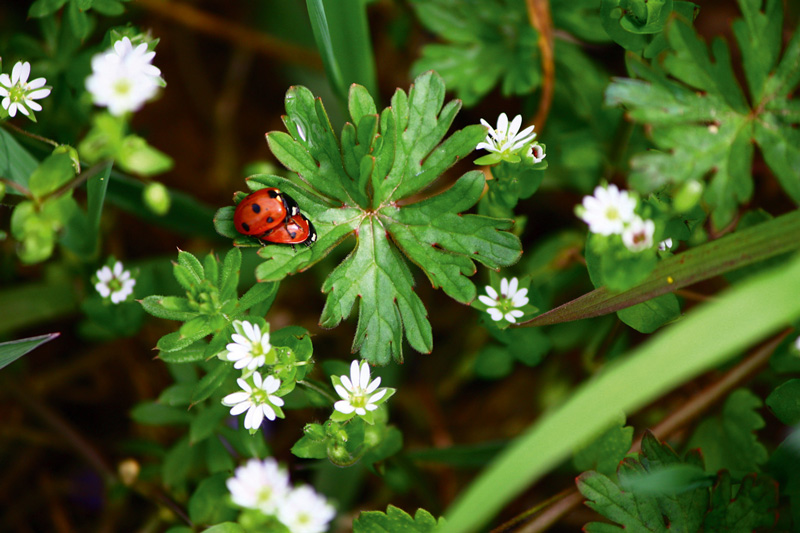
(103, 289)
(240, 408)
(344, 407)
(487, 301)
(365, 375)
(495, 314)
(342, 392)
(491, 292)
(504, 287)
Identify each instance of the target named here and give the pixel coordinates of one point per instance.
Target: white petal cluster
(249, 347)
(665, 244)
(506, 137)
(305, 511)
(261, 485)
(608, 210)
(116, 283)
(638, 234)
(264, 486)
(18, 93)
(123, 78)
(358, 393)
(504, 305)
(258, 400)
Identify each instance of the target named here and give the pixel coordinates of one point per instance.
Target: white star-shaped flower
(18, 93)
(504, 304)
(122, 78)
(358, 394)
(638, 234)
(249, 346)
(305, 511)
(258, 400)
(261, 485)
(116, 283)
(535, 153)
(506, 138)
(608, 210)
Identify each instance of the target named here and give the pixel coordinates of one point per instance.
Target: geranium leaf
(351, 185)
(396, 521)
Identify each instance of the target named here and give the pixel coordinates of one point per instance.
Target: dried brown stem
(539, 16)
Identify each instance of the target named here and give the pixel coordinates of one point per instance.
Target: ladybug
(263, 210)
(298, 230)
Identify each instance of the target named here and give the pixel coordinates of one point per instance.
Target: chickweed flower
(258, 400)
(123, 78)
(305, 511)
(665, 244)
(18, 93)
(358, 393)
(261, 485)
(116, 283)
(608, 210)
(250, 346)
(638, 234)
(504, 305)
(535, 153)
(506, 138)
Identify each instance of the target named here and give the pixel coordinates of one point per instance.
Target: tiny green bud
(73, 155)
(2, 190)
(688, 196)
(315, 432)
(157, 198)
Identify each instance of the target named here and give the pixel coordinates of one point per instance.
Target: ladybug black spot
(269, 219)
(245, 226)
(256, 208)
(293, 234)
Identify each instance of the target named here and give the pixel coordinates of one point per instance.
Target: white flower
(638, 235)
(797, 344)
(665, 244)
(503, 305)
(18, 93)
(258, 400)
(506, 138)
(535, 153)
(357, 390)
(116, 283)
(122, 78)
(261, 485)
(608, 210)
(305, 511)
(249, 346)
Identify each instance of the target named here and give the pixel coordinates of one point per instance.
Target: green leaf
(138, 157)
(703, 125)
(226, 527)
(605, 452)
(169, 307)
(12, 350)
(748, 312)
(192, 353)
(42, 8)
(341, 31)
(487, 43)
(177, 463)
(352, 186)
(206, 422)
(784, 402)
(78, 21)
(729, 441)
(211, 382)
(205, 505)
(396, 521)
(109, 8)
(156, 414)
(16, 163)
(745, 247)
(750, 507)
(51, 174)
(96, 194)
(35, 303)
(641, 501)
(648, 316)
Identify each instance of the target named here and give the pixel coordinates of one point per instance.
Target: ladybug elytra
(263, 211)
(298, 230)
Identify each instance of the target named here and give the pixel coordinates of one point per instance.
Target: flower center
(639, 238)
(264, 495)
(122, 86)
(17, 92)
(358, 398)
(114, 285)
(612, 213)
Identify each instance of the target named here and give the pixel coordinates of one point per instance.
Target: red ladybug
(263, 210)
(299, 230)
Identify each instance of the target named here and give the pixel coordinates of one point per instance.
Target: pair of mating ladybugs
(272, 215)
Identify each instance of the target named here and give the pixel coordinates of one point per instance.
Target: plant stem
(31, 135)
(539, 16)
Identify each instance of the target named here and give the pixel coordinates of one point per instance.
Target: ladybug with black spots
(298, 230)
(263, 211)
